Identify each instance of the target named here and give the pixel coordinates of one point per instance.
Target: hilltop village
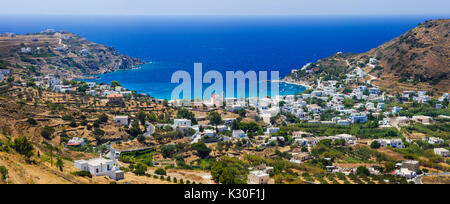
(346, 130)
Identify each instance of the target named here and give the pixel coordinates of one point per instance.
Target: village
(336, 131)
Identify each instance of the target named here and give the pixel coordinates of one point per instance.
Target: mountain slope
(418, 59)
(64, 54)
(420, 55)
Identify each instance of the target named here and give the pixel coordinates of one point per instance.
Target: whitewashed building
(258, 177)
(442, 152)
(238, 134)
(181, 122)
(121, 120)
(100, 167)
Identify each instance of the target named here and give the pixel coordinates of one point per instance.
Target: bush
(3, 173)
(67, 117)
(23, 146)
(99, 132)
(103, 118)
(160, 171)
(375, 145)
(362, 171)
(83, 174)
(141, 138)
(140, 169)
(32, 121)
(47, 132)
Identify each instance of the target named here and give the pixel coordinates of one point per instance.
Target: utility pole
(51, 154)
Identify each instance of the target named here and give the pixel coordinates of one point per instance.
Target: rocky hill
(418, 59)
(61, 53)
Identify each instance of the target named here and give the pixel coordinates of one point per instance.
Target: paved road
(418, 179)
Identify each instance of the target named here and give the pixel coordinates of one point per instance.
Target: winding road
(418, 179)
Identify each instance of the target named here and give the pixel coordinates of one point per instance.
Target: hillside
(418, 59)
(64, 54)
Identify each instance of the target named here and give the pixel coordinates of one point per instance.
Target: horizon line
(234, 15)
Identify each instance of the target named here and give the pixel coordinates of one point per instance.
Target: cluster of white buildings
(312, 141)
(394, 142)
(4, 73)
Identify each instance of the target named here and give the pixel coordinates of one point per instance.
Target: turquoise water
(143, 81)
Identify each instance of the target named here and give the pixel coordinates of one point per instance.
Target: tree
(234, 125)
(3, 173)
(24, 147)
(184, 113)
(103, 118)
(141, 116)
(134, 131)
(115, 83)
(140, 169)
(228, 170)
(242, 112)
(160, 171)
(202, 150)
(168, 151)
(375, 145)
(389, 166)
(32, 121)
(99, 132)
(214, 118)
(362, 171)
(60, 164)
(47, 132)
(141, 138)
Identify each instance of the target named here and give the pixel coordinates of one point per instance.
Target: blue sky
(226, 7)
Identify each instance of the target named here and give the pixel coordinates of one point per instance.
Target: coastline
(96, 76)
(162, 91)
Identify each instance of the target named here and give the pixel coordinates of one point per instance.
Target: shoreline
(96, 77)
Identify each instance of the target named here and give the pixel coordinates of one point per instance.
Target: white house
(100, 167)
(121, 120)
(233, 107)
(181, 122)
(238, 134)
(222, 128)
(314, 108)
(442, 152)
(62, 88)
(358, 118)
(272, 130)
(25, 50)
(258, 177)
(395, 143)
(433, 140)
(406, 173)
(209, 133)
(343, 122)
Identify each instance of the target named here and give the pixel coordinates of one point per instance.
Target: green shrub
(160, 171)
(83, 174)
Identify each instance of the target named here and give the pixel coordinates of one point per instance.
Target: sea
(221, 43)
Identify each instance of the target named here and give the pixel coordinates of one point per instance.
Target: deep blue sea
(220, 43)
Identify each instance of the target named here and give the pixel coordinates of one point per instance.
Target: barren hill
(64, 54)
